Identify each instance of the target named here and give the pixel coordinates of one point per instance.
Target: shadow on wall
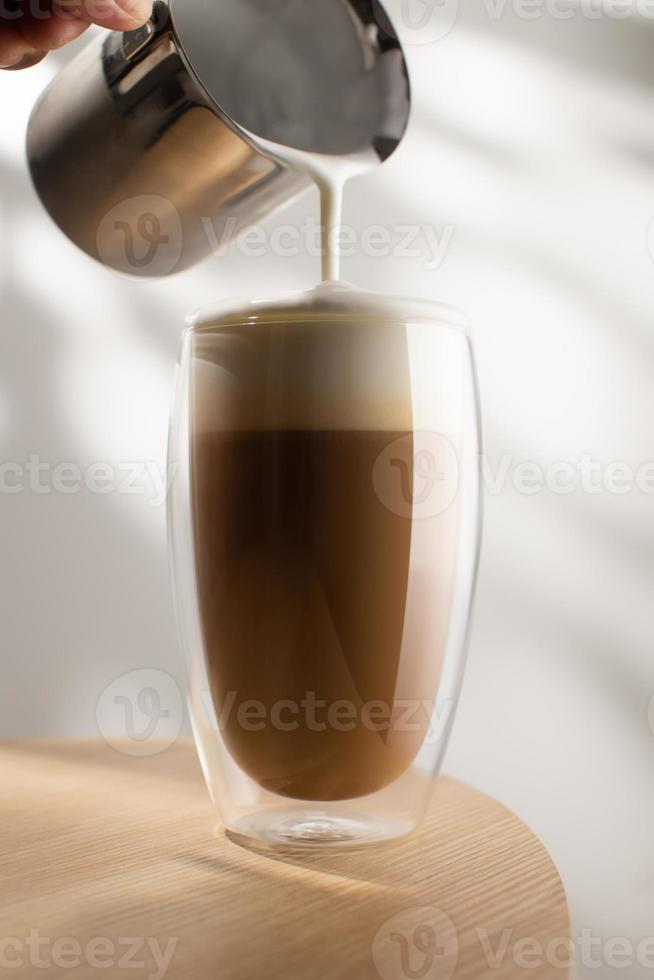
(613, 47)
(83, 584)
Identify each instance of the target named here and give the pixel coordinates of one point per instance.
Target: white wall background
(534, 140)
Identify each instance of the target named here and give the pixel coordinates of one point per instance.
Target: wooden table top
(112, 867)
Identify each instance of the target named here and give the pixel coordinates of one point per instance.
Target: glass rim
(335, 300)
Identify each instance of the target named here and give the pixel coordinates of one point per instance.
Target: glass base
(309, 828)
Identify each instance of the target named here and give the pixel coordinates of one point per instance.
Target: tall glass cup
(324, 527)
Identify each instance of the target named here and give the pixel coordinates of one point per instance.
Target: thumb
(115, 15)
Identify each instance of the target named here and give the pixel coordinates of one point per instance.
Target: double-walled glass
(324, 526)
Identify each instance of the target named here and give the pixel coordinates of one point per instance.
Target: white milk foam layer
(331, 358)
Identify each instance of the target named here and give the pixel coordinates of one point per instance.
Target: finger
(28, 61)
(116, 15)
(46, 33)
(14, 50)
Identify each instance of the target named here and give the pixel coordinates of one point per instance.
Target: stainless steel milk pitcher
(144, 148)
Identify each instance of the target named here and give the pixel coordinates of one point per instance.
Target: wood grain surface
(112, 866)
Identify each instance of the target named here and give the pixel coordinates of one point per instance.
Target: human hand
(31, 28)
